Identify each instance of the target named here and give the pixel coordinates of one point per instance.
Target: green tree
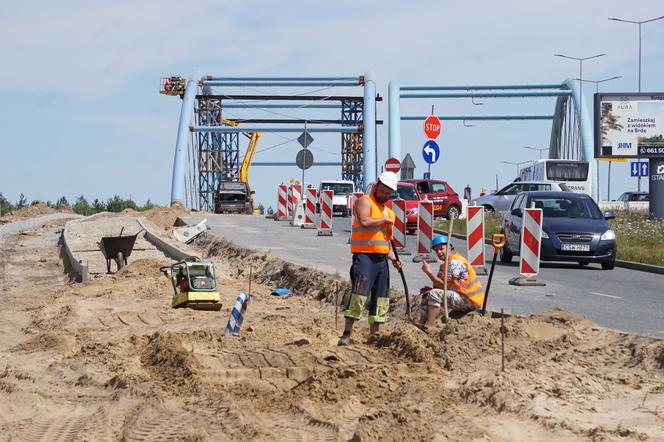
(82, 207)
(62, 203)
(98, 206)
(117, 204)
(22, 201)
(5, 205)
(148, 205)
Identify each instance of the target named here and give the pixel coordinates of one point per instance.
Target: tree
(5, 205)
(117, 204)
(148, 205)
(22, 201)
(82, 207)
(62, 203)
(98, 206)
(261, 209)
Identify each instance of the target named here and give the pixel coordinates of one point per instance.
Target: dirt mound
(36, 209)
(270, 270)
(164, 217)
(41, 342)
(166, 359)
(409, 343)
(142, 267)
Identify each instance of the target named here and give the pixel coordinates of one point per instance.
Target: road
(622, 299)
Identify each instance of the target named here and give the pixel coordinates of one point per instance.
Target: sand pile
(164, 217)
(33, 210)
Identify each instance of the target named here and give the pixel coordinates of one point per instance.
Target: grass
(639, 239)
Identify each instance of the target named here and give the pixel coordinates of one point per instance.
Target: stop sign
(432, 127)
(392, 165)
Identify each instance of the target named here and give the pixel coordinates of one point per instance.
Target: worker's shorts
(455, 301)
(370, 281)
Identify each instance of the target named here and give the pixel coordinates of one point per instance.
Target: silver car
(502, 200)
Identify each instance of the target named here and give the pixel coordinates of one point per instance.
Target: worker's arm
(363, 215)
(435, 280)
(393, 257)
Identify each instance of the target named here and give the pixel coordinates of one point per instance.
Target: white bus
(575, 174)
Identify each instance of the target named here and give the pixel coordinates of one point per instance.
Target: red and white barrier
(289, 206)
(531, 242)
(399, 231)
(475, 235)
(424, 227)
(282, 203)
(310, 208)
(297, 216)
(325, 226)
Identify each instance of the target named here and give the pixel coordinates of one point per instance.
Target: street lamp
(540, 150)
(608, 185)
(638, 23)
(516, 164)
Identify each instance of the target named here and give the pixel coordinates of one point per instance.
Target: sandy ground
(110, 360)
(31, 211)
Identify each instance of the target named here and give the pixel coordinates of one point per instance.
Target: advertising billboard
(629, 125)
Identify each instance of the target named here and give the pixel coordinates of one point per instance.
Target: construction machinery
(194, 285)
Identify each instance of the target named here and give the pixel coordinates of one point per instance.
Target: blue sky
(81, 113)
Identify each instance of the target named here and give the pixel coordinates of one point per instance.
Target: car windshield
(405, 193)
(338, 188)
(567, 207)
(231, 197)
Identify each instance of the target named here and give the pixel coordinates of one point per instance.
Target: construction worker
(370, 244)
(464, 291)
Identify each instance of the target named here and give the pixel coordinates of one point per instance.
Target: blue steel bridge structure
(208, 148)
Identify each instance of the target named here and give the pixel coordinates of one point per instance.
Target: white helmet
(389, 179)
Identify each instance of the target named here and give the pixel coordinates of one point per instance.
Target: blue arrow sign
(430, 152)
(639, 168)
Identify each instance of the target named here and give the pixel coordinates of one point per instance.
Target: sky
(80, 112)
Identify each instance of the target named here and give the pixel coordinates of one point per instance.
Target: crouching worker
(464, 291)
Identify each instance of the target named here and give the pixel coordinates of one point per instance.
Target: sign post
(431, 151)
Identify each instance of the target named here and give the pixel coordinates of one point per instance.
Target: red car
(407, 192)
(446, 201)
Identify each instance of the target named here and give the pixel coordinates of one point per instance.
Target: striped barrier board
(289, 197)
(282, 203)
(238, 313)
(531, 242)
(325, 226)
(399, 230)
(475, 238)
(310, 208)
(424, 229)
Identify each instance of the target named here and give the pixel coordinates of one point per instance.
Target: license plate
(575, 247)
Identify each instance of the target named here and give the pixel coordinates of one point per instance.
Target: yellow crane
(248, 157)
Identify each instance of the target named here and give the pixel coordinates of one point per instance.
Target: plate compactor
(194, 285)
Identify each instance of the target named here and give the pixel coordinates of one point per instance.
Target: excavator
(233, 196)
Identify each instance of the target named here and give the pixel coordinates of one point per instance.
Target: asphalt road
(622, 299)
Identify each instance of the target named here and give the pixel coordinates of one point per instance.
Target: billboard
(629, 125)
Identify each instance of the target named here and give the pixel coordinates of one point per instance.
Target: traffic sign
(430, 152)
(392, 165)
(639, 168)
(305, 139)
(304, 159)
(432, 127)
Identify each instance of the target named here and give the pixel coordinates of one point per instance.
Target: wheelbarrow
(117, 248)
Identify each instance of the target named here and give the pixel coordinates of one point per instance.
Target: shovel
(405, 285)
(497, 242)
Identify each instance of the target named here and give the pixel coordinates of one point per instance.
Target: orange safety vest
(471, 288)
(371, 239)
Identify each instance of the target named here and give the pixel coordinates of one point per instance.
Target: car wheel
(489, 209)
(453, 212)
(505, 255)
(608, 265)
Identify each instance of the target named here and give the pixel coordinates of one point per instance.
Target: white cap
(389, 179)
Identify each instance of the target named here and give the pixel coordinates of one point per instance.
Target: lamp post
(516, 164)
(538, 149)
(608, 185)
(638, 23)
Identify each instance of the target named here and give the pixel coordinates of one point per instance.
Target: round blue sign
(430, 152)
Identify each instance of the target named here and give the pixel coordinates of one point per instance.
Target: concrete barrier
(163, 245)
(637, 206)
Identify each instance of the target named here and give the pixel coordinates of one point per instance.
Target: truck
(234, 197)
(341, 188)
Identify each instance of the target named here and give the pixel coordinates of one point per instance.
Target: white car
(341, 188)
(502, 199)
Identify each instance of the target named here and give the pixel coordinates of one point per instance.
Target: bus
(575, 174)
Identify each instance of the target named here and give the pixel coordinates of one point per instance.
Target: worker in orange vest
(370, 244)
(464, 290)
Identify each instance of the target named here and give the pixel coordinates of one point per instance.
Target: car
(634, 196)
(573, 229)
(233, 197)
(501, 200)
(407, 192)
(446, 201)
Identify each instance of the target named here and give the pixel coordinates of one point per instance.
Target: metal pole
(608, 186)
(638, 159)
(580, 94)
